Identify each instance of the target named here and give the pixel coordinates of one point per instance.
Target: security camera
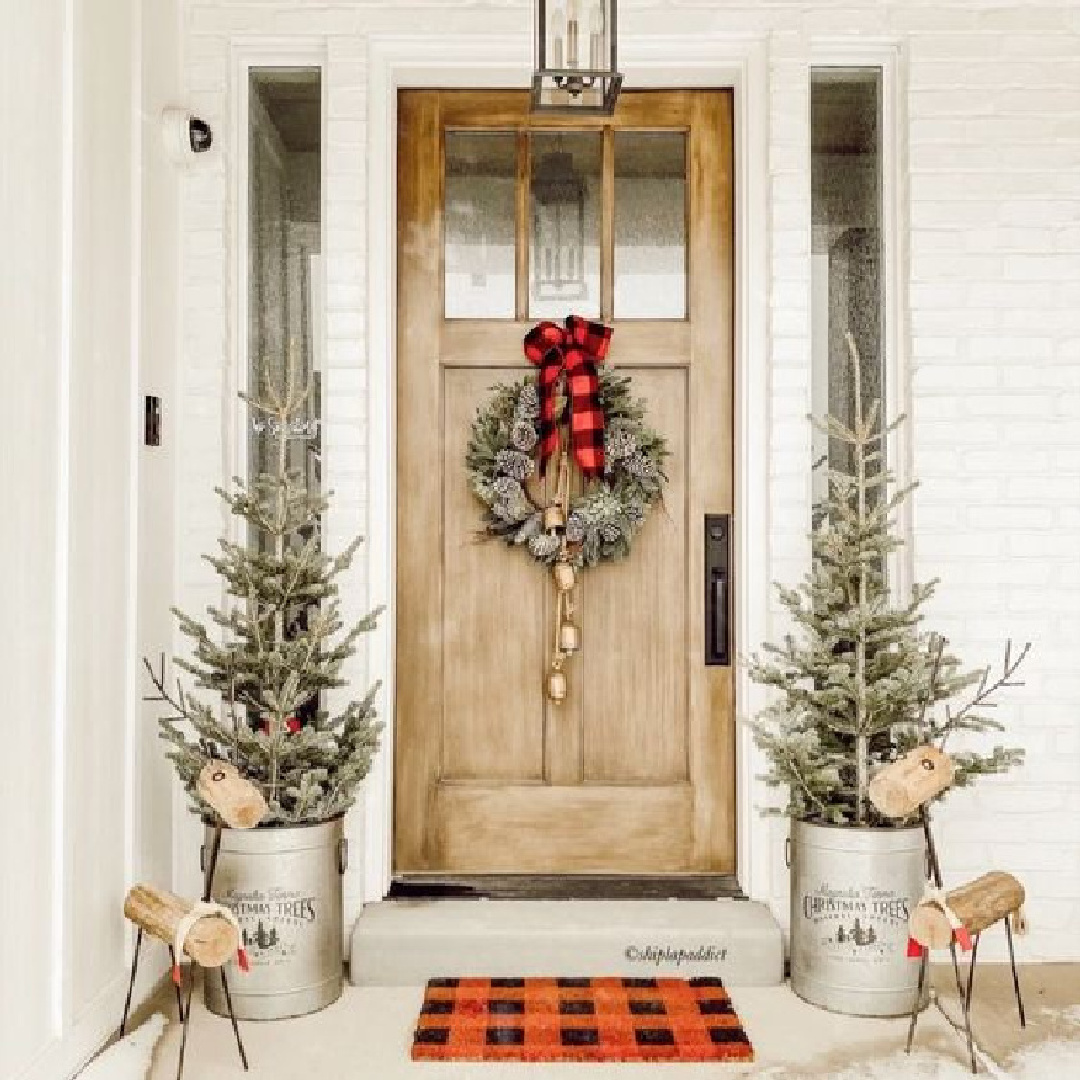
(185, 134)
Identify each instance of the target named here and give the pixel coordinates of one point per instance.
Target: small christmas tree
(276, 645)
(859, 679)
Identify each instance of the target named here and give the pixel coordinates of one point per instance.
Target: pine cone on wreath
(523, 435)
(528, 402)
(642, 467)
(619, 444)
(610, 532)
(545, 546)
(515, 464)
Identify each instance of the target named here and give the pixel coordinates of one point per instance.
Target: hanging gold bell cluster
(567, 637)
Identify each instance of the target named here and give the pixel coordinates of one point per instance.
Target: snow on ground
(1055, 1059)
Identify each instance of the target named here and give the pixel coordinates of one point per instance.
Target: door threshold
(564, 887)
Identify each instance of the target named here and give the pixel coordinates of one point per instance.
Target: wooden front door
(505, 218)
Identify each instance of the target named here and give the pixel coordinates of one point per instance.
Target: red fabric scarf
(576, 350)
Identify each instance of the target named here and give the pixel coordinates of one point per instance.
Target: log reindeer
(958, 917)
(205, 932)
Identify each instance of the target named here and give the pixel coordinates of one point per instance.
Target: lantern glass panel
(480, 207)
(650, 225)
(564, 245)
(577, 34)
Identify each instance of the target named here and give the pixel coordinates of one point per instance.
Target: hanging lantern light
(576, 69)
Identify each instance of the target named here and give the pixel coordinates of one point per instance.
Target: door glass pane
(479, 224)
(650, 225)
(846, 261)
(564, 246)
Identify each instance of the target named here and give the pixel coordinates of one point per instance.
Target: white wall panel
(79, 822)
(31, 369)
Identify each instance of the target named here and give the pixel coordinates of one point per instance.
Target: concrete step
(406, 942)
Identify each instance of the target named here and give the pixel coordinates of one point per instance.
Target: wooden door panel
(494, 645)
(547, 829)
(634, 771)
(635, 643)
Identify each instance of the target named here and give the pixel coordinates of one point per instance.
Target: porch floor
(367, 1033)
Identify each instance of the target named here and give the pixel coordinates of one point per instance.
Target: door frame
(504, 61)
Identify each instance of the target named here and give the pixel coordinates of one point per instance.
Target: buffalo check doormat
(606, 1019)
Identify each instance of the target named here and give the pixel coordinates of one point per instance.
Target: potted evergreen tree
(260, 669)
(858, 683)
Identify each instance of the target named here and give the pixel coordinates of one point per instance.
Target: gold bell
(569, 638)
(554, 520)
(564, 576)
(556, 686)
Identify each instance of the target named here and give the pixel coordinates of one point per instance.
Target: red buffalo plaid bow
(575, 349)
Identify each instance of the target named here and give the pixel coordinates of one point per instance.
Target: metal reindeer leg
(1015, 974)
(208, 886)
(232, 1017)
(211, 864)
(956, 971)
(131, 982)
(924, 967)
(924, 964)
(187, 1020)
(179, 996)
(967, 1003)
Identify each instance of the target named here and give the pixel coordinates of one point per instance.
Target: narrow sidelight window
(284, 267)
(847, 252)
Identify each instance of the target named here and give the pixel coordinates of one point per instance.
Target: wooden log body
(978, 904)
(211, 941)
(238, 802)
(902, 787)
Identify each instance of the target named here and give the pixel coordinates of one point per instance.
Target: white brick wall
(990, 329)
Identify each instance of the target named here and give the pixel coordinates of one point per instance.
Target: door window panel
(564, 246)
(650, 225)
(480, 224)
(526, 233)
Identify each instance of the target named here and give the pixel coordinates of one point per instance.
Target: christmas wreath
(572, 408)
(517, 432)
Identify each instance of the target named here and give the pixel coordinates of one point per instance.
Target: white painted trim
(423, 60)
(62, 904)
(887, 55)
(133, 757)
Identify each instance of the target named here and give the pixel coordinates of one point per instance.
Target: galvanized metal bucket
(284, 884)
(852, 891)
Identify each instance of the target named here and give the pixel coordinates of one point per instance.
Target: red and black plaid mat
(607, 1019)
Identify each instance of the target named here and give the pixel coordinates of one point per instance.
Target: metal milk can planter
(285, 886)
(852, 890)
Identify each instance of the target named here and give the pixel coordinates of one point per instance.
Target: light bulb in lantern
(572, 25)
(557, 23)
(596, 36)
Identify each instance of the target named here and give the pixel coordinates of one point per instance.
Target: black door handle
(717, 593)
(719, 619)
